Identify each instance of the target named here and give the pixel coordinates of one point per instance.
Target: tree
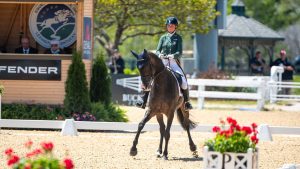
(100, 82)
(119, 20)
(292, 39)
(277, 14)
(77, 96)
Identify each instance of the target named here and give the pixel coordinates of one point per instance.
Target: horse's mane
(156, 60)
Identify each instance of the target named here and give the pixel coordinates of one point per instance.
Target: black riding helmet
(172, 20)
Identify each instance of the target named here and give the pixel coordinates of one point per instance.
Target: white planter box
(216, 160)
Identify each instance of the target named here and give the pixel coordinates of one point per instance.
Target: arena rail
(119, 126)
(201, 93)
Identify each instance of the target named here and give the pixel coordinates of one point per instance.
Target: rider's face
(171, 28)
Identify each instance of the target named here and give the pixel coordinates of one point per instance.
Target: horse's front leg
(147, 117)
(160, 119)
(167, 134)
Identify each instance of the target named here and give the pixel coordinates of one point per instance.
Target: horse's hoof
(195, 154)
(165, 157)
(133, 151)
(193, 148)
(158, 154)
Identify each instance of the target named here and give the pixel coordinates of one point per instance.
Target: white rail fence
(201, 93)
(276, 86)
(121, 126)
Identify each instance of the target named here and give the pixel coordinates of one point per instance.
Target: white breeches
(174, 66)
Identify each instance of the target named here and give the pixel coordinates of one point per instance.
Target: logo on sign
(53, 22)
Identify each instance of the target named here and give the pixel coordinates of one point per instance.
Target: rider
(169, 49)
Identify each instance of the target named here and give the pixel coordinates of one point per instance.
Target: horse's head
(144, 65)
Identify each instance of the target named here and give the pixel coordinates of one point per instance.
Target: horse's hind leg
(193, 147)
(160, 119)
(147, 117)
(167, 134)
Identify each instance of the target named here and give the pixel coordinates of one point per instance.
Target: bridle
(150, 77)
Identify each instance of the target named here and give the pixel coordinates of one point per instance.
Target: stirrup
(188, 106)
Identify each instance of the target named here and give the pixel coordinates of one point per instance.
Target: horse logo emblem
(53, 21)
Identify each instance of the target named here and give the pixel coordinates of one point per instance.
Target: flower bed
(37, 158)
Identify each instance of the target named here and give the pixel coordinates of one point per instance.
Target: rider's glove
(171, 56)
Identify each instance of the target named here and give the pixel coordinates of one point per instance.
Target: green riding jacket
(170, 45)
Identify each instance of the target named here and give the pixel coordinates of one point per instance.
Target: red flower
(28, 144)
(247, 130)
(231, 121)
(34, 153)
(13, 159)
(254, 139)
(47, 146)
(254, 125)
(68, 163)
(238, 128)
(9, 151)
(216, 129)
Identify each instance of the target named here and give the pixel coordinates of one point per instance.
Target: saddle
(177, 76)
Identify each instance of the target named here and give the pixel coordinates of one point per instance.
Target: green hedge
(49, 112)
(33, 112)
(109, 113)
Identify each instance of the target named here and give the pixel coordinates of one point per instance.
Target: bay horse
(164, 99)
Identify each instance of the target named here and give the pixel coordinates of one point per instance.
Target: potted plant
(37, 159)
(233, 147)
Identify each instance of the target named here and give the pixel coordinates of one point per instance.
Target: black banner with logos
(122, 94)
(15, 69)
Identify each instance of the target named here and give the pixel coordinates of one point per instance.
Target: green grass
(226, 102)
(296, 79)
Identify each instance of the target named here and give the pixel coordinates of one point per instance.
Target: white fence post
(261, 90)
(276, 76)
(200, 98)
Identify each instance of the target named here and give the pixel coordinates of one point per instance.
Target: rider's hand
(161, 56)
(171, 56)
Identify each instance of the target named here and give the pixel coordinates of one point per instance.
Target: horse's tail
(185, 122)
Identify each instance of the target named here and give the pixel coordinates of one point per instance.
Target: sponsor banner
(53, 22)
(87, 33)
(11, 69)
(124, 91)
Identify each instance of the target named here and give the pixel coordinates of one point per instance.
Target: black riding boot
(187, 104)
(142, 103)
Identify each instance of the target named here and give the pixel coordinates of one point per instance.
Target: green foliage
(128, 71)
(100, 90)
(117, 21)
(276, 14)
(77, 95)
(109, 112)
(1, 89)
(236, 139)
(33, 112)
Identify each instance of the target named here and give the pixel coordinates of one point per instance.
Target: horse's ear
(145, 51)
(134, 54)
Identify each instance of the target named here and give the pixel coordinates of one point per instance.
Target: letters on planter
(216, 160)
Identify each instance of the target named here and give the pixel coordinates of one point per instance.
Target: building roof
(241, 27)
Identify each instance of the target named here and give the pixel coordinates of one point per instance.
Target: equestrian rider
(169, 49)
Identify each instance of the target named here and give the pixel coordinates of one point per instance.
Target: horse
(164, 99)
(60, 16)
